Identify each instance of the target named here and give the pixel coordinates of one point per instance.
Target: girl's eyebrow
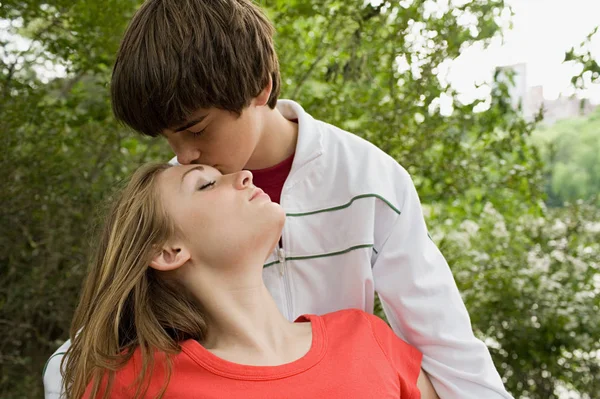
(199, 167)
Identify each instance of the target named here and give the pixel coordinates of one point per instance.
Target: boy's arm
(424, 307)
(52, 377)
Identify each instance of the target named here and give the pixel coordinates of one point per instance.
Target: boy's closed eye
(197, 133)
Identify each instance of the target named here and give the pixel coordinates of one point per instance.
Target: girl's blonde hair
(125, 304)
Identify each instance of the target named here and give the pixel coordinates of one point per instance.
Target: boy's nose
(188, 157)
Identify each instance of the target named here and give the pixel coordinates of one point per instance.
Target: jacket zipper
(286, 282)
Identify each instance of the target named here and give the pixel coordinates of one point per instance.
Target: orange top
(353, 355)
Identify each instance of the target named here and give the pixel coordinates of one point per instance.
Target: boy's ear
(170, 257)
(263, 97)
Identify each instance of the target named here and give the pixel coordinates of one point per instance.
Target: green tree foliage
(571, 150)
(590, 71)
(62, 153)
(367, 67)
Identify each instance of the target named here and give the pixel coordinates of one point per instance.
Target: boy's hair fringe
(178, 56)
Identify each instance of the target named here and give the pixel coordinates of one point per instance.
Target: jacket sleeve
(424, 307)
(52, 377)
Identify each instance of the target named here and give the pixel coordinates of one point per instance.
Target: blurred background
(491, 105)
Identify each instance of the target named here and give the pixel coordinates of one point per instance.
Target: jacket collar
(310, 136)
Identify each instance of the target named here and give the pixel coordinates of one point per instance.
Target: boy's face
(217, 138)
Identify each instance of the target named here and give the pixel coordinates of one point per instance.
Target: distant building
(518, 85)
(534, 101)
(531, 100)
(555, 110)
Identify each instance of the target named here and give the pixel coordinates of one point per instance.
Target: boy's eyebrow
(190, 124)
(189, 170)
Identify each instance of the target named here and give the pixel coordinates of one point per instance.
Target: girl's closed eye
(207, 185)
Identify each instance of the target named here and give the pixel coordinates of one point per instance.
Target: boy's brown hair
(178, 56)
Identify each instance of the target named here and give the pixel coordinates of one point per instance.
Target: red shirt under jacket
(271, 180)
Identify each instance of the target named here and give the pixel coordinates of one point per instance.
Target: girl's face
(221, 219)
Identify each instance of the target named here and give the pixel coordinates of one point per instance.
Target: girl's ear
(170, 257)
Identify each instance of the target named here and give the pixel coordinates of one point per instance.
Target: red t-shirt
(354, 355)
(271, 180)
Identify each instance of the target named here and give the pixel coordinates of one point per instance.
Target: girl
(174, 306)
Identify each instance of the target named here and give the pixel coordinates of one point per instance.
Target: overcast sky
(543, 30)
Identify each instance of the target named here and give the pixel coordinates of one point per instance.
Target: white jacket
(354, 227)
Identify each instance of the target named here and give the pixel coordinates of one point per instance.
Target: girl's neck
(245, 326)
(244, 316)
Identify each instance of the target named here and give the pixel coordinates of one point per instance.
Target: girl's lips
(256, 193)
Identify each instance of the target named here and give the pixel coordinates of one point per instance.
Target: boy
(204, 74)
